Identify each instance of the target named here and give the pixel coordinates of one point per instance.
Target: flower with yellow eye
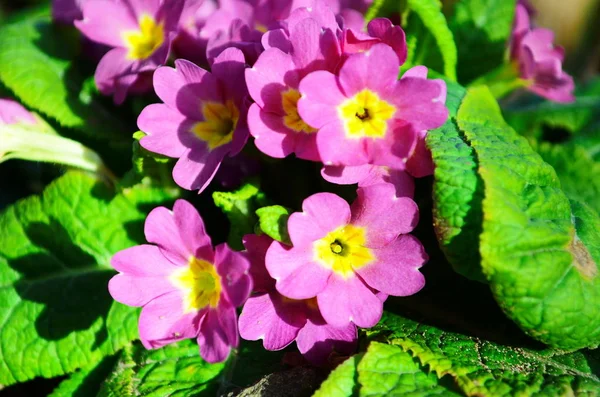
(344, 255)
(187, 289)
(139, 33)
(202, 119)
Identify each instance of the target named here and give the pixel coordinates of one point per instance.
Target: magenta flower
(379, 30)
(202, 119)
(12, 112)
(369, 118)
(273, 83)
(278, 321)
(539, 60)
(140, 34)
(67, 11)
(369, 175)
(187, 289)
(189, 44)
(344, 255)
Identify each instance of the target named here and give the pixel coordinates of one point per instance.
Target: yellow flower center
(200, 283)
(292, 120)
(365, 115)
(219, 123)
(142, 43)
(343, 250)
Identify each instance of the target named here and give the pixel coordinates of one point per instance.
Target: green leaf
(343, 381)
(579, 174)
(37, 62)
(273, 222)
(85, 382)
(240, 207)
(530, 118)
(483, 28)
(457, 192)
(539, 262)
(176, 370)
(484, 368)
(55, 253)
(384, 370)
(430, 14)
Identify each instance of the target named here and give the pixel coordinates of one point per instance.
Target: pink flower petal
(163, 321)
(229, 67)
(418, 102)
(145, 260)
(105, 22)
(12, 112)
(213, 341)
(227, 315)
(348, 175)
(395, 271)
(273, 72)
(256, 247)
(233, 267)
(162, 126)
(266, 317)
(297, 275)
(186, 88)
(320, 97)
(321, 214)
(357, 72)
(276, 38)
(383, 215)
(196, 168)
(317, 340)
(349, 300)
(138, 291)
(420, 163)
(336, 149)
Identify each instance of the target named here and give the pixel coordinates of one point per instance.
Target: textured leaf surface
(36, 63)
(384, 370)
(55, 253)
(175, 370)
(579, 174)
(273, 222)
(85, 382)
(482, 28)
(541, 264)
(240, 207)
(457, 192)
(430, 13)
(483, 368)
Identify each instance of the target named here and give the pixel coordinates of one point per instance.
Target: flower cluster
(539, 60)
(296, 78)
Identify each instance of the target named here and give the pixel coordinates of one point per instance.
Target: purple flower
(539, 60)
(370, 118)
(369, 175)
(344, 255)
(189, 44)
(202, 119)
(12, 112)
(379, 30)
(67, 11)
(278, 320)
(140, 34)
(273, 83)
(187, 289)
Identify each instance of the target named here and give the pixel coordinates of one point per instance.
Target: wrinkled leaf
(240, 207)
(273, 222)
(85, 382)
(540, 263)
(483, 368)
(55, 253)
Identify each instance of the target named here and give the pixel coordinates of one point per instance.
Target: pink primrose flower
(187, 289)
(344, 255)
(364, 115)
(273, 83)
(279, 321)
(202, 119)
(369, 175)
(139, 33)
(12, 112)
(539, 60)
